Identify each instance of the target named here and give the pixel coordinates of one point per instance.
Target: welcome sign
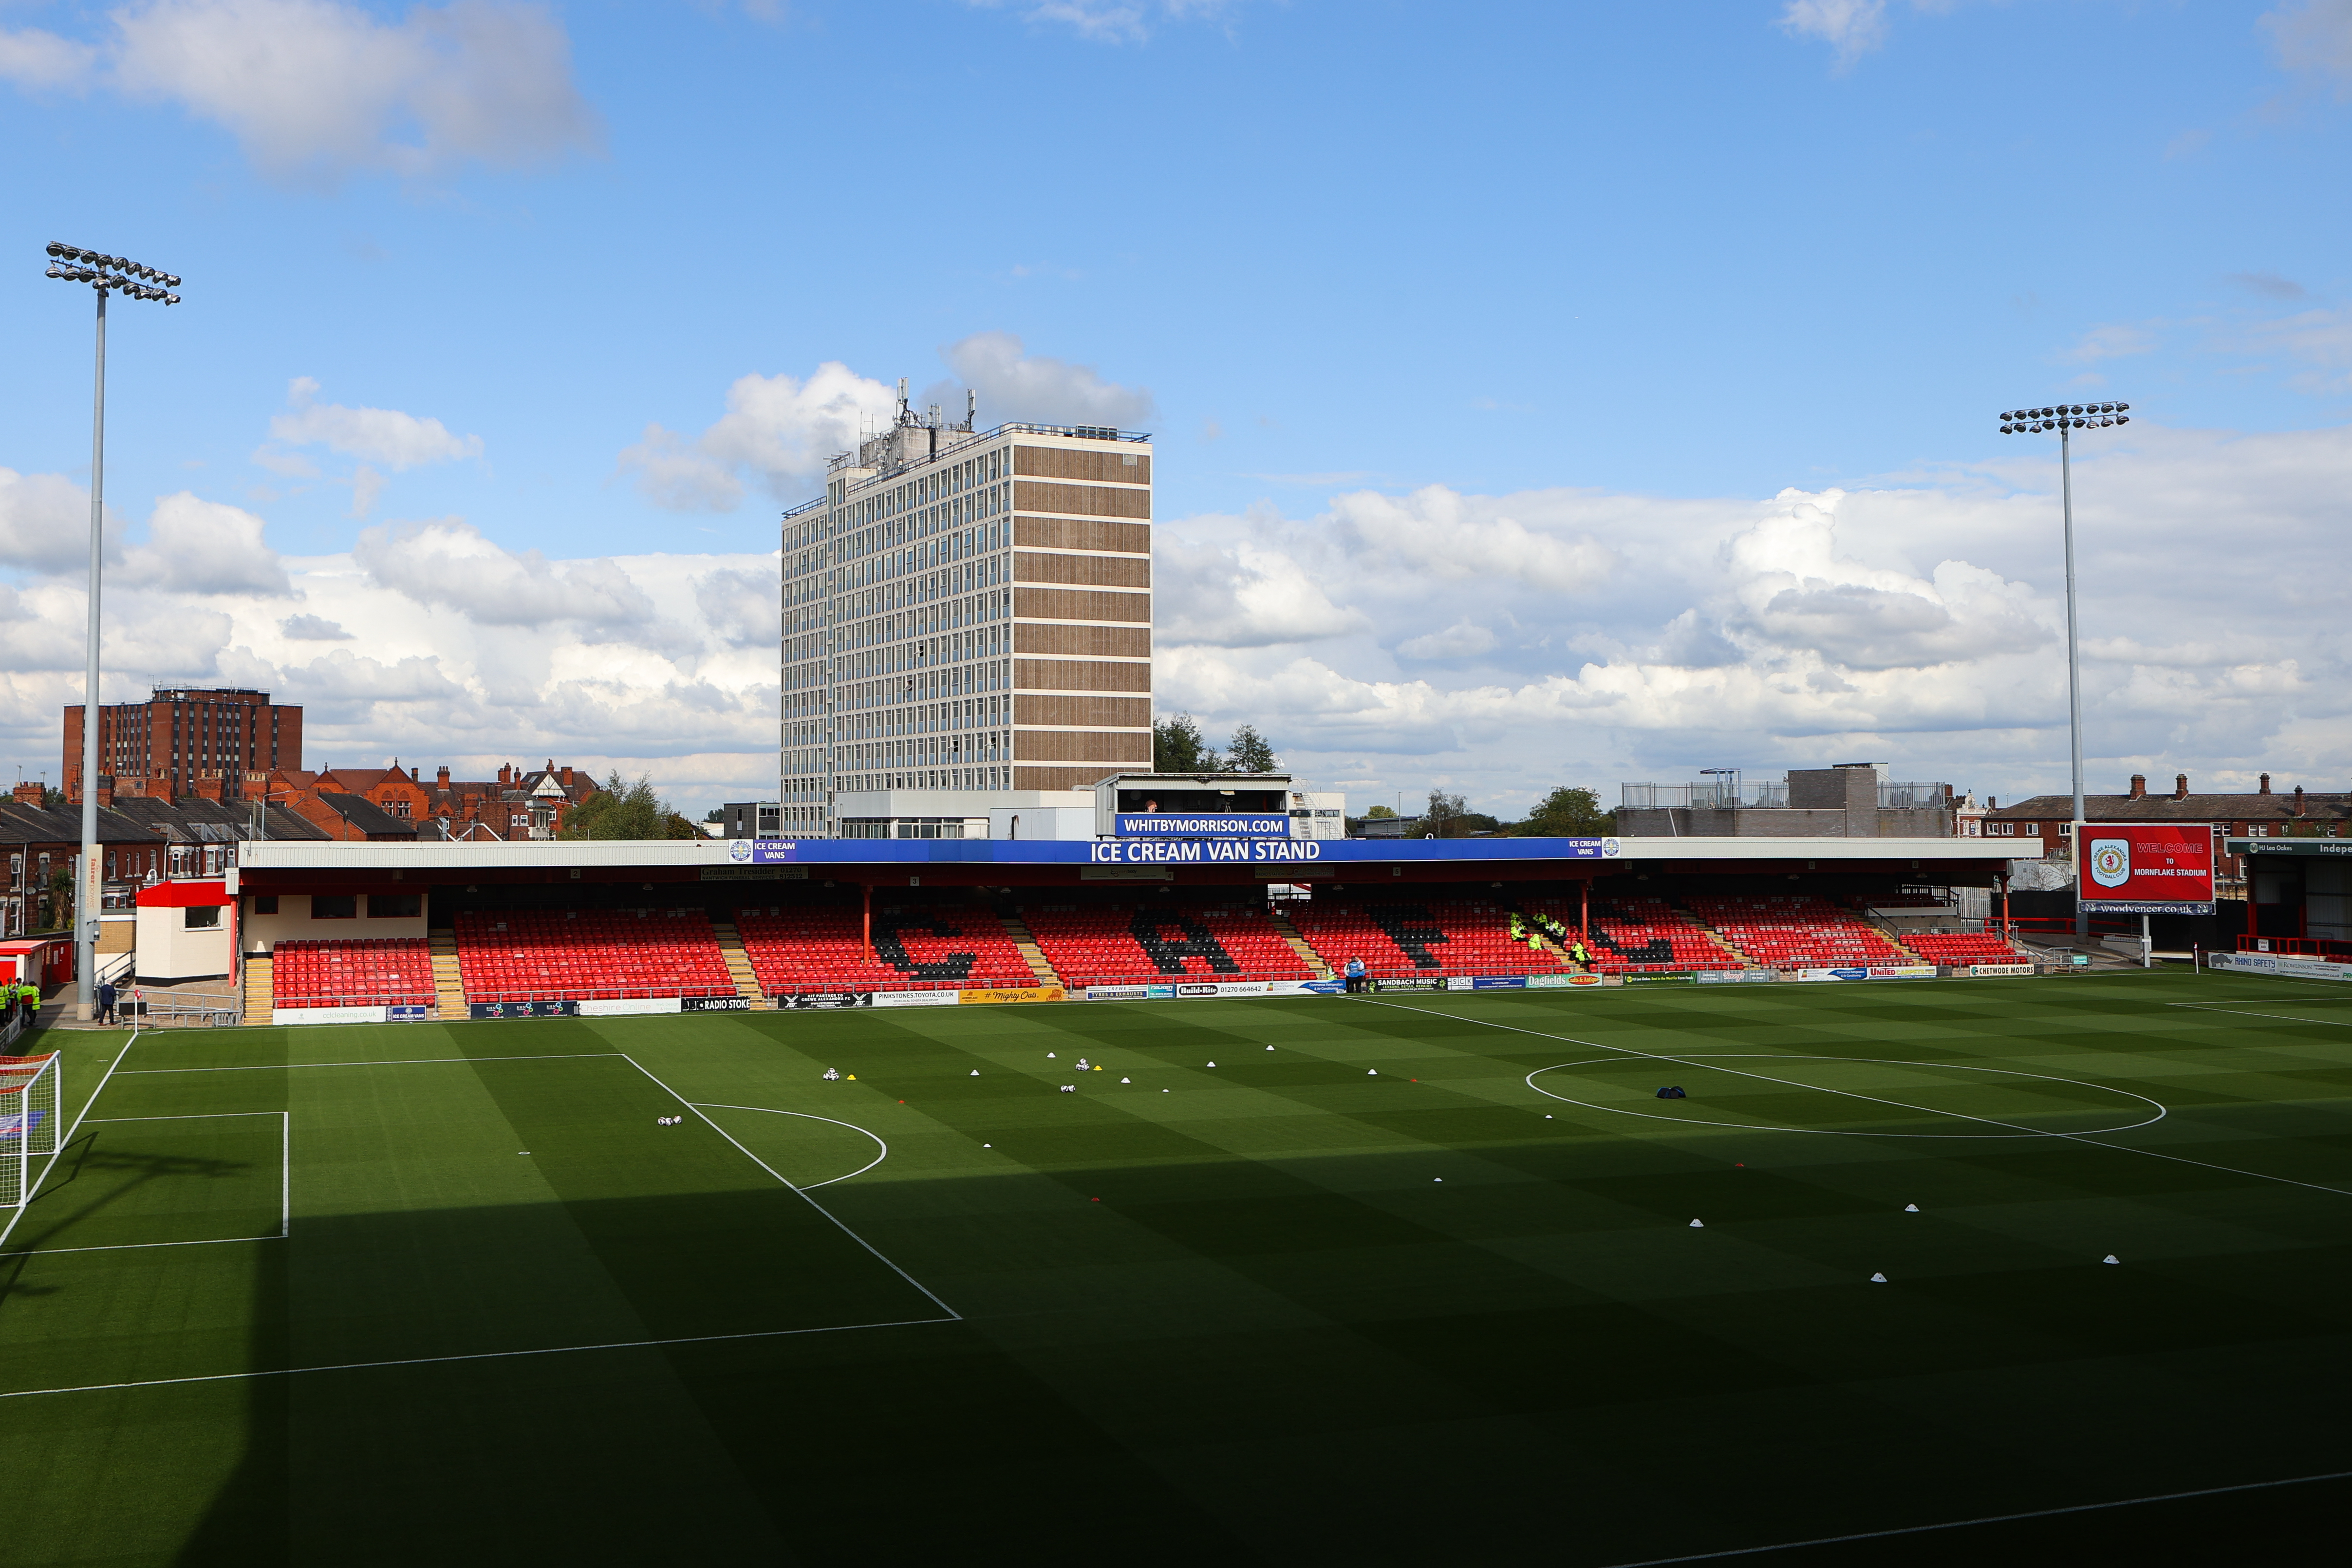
(2145, 869)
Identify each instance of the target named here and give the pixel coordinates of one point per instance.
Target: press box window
(206, 917)
(265, 903)
(394, 906)
(334, 906)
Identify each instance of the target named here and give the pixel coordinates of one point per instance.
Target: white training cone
(2111, 1258)
(1049, 1056)
(1547, 1115)
(1269, 1047)
(1910, 1208)
(1126, 1080)
(1437, 1178)
(975, 1072)
(1371, 1072)
(1698, 1225)
(1878, 1279)
(1213, 1063)
(988, 1145)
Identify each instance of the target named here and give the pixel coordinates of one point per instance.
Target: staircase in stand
(1297, 944)
(259, 992)
(739, 964)
(448, 991)
(1031, 954)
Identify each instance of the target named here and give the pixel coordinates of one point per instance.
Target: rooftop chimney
(30, 793)
(443, 775)
(2139, 786)
(2266, 785)
(2180, 786)
(2298, 800)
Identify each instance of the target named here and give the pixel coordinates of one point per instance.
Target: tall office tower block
(967, 623)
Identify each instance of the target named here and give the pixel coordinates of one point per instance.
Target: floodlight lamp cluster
(72, 264)
(2062, 417)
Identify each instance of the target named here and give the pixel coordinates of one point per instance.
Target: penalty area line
(475, 1355)
(1988, 1518)
(705, 1118)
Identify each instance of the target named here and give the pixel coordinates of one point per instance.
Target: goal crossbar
(30, 1126)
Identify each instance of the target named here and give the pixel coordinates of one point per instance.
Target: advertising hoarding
(1201, 825)
(2145, 869)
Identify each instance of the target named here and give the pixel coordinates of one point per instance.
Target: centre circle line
(1701, 1059)
(1652, 1056)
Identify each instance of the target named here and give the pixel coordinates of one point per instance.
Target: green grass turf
(1226, 1312)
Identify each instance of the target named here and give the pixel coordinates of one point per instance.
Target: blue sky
(1615, 277)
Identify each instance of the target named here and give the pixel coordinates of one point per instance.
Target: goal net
(29, 1099)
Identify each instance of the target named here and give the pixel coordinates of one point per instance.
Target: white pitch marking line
(812, 1203)
(809, 1116)
(1699, 1057)
(476, 1355)
(285, 1186)
(1988, 1518)
(2076, 1137)
(403, 1062)
(32, 1187)
(2242, 1013)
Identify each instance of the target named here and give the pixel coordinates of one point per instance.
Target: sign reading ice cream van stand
(2145, 869)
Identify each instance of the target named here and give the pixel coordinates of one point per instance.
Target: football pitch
(1411, 1277)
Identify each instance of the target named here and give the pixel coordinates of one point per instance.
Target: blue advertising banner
(1205, 824)
(1157, 848)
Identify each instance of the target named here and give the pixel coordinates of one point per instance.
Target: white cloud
(1110, 21)
(1238, 594)
(2115, 340)
(314, 89)
(2317, 36)
(1505, 644)
(383, 436)
(448, 562)
(196, 546)
(777, 427)
(44, 522)
(39, 61)
(1851, 28)
(1012, 385)
(312, 628)
(744, 607)
(1459, 640)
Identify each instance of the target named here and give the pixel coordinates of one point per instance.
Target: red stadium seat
(916, 948)
(383, 971)
(1164, 938)
(589, 955)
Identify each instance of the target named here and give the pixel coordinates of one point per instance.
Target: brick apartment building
(181, 736)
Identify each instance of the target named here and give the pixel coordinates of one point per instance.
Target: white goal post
(30, 1100)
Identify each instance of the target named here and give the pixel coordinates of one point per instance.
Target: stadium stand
(1962, 947)
(1105, 944)
(1398, 936)
(1641, 935)
(812, 948)
(1796, 930)
(589, 955)
(396, 972)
